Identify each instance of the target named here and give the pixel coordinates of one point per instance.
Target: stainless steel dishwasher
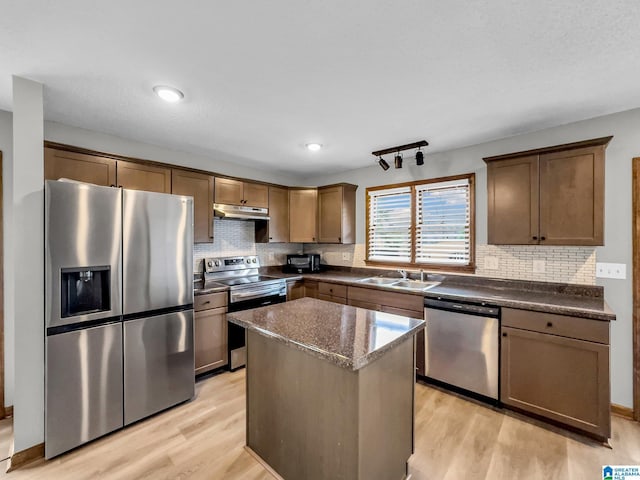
(462, 345)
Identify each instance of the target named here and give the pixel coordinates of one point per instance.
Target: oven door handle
(257, 293)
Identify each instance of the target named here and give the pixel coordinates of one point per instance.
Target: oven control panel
(223, 264)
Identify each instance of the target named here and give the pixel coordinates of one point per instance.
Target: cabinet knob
(313, 238)
(270, 238)
(549, 324)
(543, 238)
(504, 334)
(535, 238)
(331, 290)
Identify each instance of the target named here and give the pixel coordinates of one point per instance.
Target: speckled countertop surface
(347, 336)
(563, 299)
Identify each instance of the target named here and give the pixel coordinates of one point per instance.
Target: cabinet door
(512, 188)
(210, 339)
(311, 288)
(278, 214)
(139, 176)
(200, 187)
(572, 197)
(303, 215)
(420, 360)
(255, 195)
(330, 215)
(228, 191)
(295, 290)
(563, 379)
(78, 166)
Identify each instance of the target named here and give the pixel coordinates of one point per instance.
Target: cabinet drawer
(405, 301)
(562, 325)
(211, 300)
(332, 298)
(367, 305)
(332, 289)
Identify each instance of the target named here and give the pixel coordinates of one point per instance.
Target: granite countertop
(585, 301)
(347, 336)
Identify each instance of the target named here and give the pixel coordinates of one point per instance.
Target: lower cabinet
(311, 288)
(332, 292)
(295, 290)
(210, 332)
(559, 378)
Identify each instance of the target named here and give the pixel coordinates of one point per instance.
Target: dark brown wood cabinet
(236, 192)
(303, 215)
(336, 214)
(140, 176)
(79, 166)
(277, 228)
(562, 378)
(549, 196)
(200, 187)
(210, 332)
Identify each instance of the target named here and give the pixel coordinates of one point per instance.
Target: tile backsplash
(237, 237)
(560, 264)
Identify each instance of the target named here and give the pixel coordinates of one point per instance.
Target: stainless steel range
(247, 289)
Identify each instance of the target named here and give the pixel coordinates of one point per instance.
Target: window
(422, 224)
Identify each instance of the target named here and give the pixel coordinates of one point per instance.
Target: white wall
(625, 145)
(80, 137)
(28, 257)
(6, 146)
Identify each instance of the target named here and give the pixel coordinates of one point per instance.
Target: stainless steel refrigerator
(119, 309)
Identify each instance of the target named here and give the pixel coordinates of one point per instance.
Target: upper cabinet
(548, 196)
(303, 215)
(79, 166)
(336, 214)
(200, 187)
(277, 228)
(236, 192)
(140, 176)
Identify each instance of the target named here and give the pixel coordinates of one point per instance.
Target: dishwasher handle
(462, 307)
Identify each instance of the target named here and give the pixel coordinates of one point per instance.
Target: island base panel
(308, 418)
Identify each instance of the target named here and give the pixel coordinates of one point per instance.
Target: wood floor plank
(455, 439)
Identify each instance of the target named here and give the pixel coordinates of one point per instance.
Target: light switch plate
(491, 263)
(611, 270)
(539, 266)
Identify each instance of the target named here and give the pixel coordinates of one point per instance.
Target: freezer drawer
(84, 386)
(157, 246)
(463, 350)
(158, 363)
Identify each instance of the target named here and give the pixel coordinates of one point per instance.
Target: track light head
(419, 158)
(383, 163)
(398, 160)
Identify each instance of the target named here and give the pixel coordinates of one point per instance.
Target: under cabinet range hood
(238, 212)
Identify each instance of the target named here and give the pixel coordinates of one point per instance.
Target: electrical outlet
(491, 263)
(611, 270)
(539, 266)
(346, 256)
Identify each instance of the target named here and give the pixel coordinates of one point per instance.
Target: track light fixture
(398, 157)
(398, 160)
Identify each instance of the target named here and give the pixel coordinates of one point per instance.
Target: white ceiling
(263, 78)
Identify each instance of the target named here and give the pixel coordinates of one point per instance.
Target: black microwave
(302, 263)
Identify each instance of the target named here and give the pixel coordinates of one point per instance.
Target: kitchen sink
(379, 280)
(414, 284)
(399, 284)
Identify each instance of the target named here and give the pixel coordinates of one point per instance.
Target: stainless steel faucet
(403, 273)
(421, 275)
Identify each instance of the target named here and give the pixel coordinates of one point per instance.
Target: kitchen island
(330, 389)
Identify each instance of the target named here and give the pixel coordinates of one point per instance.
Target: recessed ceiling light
(314, 147)
(168, 94)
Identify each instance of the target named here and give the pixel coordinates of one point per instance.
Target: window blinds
(389, 232)
(443, 223)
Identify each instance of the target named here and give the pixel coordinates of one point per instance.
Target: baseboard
(23, 457)
(621, 411)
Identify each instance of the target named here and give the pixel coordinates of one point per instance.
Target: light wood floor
(6, 437)
(455, 439)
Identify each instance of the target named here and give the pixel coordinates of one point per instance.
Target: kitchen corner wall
(515, 262)
(236, 238)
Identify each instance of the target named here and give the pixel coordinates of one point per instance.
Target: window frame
(468, 268)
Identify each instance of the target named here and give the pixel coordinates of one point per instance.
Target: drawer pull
(543, 238)
(207, 302)
(535, 238)
(549, 324)
(504, 334)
